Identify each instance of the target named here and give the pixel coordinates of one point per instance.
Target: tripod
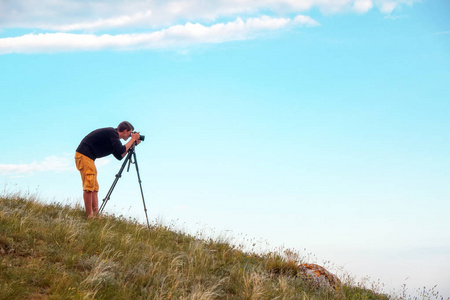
(131, 159)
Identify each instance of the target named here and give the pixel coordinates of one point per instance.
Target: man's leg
(88, 200)
(95, 203)
(88, 172)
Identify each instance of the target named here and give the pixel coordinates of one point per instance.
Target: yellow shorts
(88, 172)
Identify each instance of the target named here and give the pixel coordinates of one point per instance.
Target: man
(100, 143)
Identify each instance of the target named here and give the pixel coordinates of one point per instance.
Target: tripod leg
(140, 185)
(118, 175)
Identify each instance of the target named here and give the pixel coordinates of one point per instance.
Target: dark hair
(125, 126)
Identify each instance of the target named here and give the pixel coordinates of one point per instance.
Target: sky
(314, 125)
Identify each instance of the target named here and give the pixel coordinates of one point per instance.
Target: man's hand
(136, 137)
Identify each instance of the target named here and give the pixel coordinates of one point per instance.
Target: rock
(319, 276)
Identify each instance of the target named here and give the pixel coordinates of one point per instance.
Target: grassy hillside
(52, 252)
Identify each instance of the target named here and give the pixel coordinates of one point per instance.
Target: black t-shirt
(102, 142)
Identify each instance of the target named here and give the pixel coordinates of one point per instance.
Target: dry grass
(52, 252)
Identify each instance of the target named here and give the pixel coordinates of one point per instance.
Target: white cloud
(362, 6)
(306, 20)
(109, 23)
(70, 15)
(75, 25)
(49, 164)
(387, 7)
(174, 36)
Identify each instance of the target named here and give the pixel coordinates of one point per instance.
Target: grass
(52, 252)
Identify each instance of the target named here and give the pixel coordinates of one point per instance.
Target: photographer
(100, 143)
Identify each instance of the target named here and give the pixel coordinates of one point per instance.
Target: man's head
(125, 129)
(125, 126)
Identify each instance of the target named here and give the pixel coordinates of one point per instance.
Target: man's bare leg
(88, 201)
(95, 203)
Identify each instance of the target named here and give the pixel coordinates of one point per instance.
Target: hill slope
(52, 252)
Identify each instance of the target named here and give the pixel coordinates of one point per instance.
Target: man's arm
(135, 138)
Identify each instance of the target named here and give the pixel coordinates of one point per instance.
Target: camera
(141, 137)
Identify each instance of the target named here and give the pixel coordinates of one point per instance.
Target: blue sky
(315, 125)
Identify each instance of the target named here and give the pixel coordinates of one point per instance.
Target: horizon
(315, 125)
